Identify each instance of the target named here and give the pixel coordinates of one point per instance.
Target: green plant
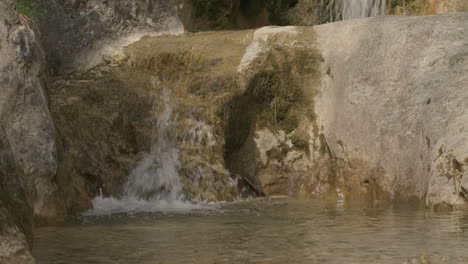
(28, 8)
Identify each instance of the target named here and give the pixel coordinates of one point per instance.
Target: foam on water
(111, 205)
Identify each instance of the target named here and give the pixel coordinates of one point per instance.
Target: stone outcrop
(79, 34)
(120, 104)
(76, 35)
(24, 115)
(369, 110)
(394, 97)
(16, 221)
(390, 113)
(27, 146)
(297, 112)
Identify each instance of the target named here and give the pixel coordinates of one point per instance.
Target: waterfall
(157, 176)
(350, 9)
(154, 184)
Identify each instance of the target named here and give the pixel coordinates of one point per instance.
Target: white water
(154, 184)
(361, 8)
(157, 176)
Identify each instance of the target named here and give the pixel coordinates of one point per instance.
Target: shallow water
(261, 231)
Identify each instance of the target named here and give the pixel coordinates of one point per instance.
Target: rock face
(365, 110)
(292, 111)
(390, 114)
(27, 146)
(16, 223)
(120, 104)
(24, 115)
(78, 34)
(394, 97)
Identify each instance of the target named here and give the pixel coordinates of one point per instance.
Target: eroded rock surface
(394, 95)
(24, 115)
(78, 35)
(26, 148)
(16, 221)
(369, 110)
(366, 110)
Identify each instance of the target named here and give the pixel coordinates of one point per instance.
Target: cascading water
(361, 8)
(154, 184)
(157, 176)
(312, 12)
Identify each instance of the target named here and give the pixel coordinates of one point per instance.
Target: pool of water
(260, 231)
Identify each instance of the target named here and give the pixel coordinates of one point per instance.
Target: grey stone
(77, 35)
(396, 96)
(24, 115)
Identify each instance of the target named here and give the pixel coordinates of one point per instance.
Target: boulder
(394, 95)
(24, 116)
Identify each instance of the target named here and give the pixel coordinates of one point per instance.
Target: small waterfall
(157, 176)
(362, 8)
(154, 184)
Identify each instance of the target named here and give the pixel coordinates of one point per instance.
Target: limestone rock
(24, 115)
(394, 94)
(78, 35)
(16, 223)
(389, 119)
(366, 110)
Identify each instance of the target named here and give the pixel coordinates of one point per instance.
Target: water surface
(265, 231)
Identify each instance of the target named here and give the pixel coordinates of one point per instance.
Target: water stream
(265, 231)
(362, 8)
(154, 184)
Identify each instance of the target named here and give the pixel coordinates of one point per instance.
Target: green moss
(28, 8)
